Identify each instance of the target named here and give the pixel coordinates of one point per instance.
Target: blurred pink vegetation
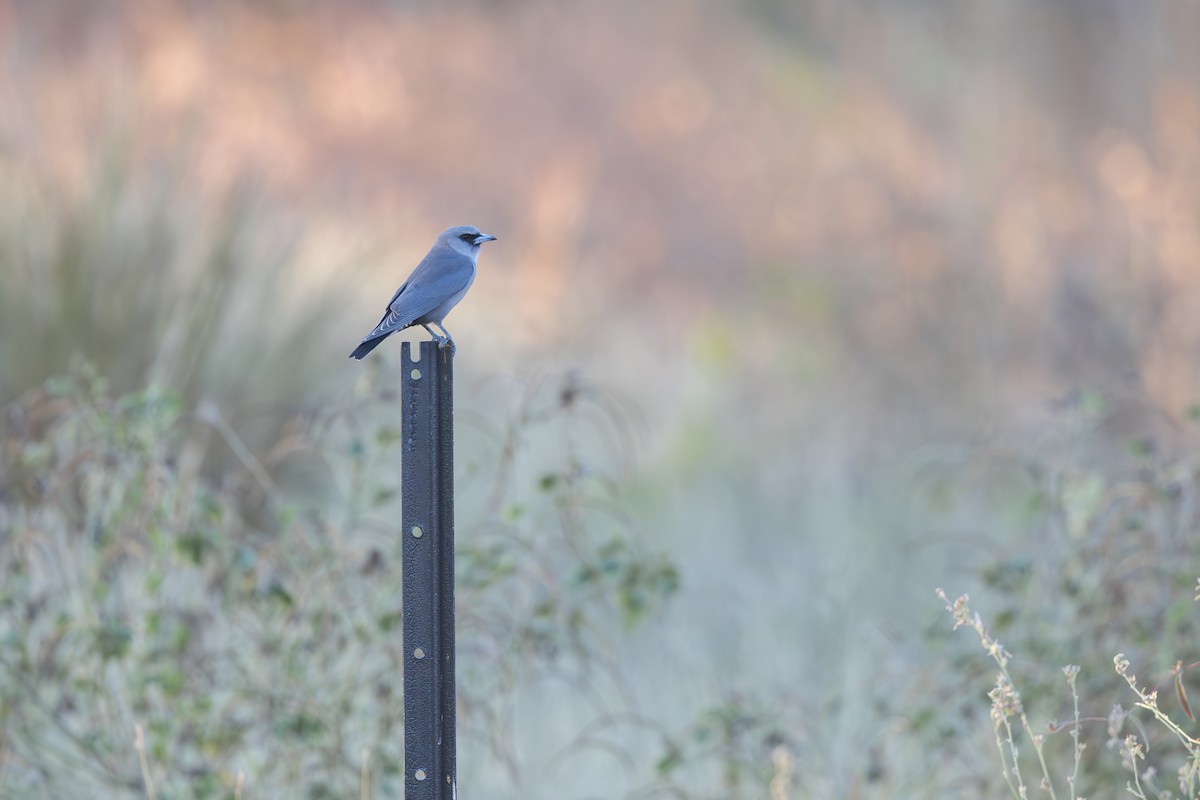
(673, 150)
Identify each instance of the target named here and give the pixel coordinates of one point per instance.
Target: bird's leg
(449, 340)
(443, 340)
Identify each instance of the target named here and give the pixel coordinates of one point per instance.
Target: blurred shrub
(1111, 571)
(133, 593)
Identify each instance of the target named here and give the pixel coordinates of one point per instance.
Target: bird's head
(465, 239)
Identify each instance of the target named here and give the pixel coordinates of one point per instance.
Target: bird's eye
(467, 237)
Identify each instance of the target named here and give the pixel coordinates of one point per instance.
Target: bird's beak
(484, 237)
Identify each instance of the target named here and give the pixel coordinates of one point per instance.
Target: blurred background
(799, 310)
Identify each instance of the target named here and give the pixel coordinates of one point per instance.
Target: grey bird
(435, 287)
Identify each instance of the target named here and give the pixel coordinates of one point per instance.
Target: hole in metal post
(419, 774)
(417, 532)
(415, 374)
(418, 654)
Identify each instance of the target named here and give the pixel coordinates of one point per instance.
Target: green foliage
(134, 591)
(623, 571)
(737, 735)
(1113, 574)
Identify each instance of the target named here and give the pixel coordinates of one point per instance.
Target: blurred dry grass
(673, 162)
(857, 263)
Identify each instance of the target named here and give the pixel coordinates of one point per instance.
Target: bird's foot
(445, 342)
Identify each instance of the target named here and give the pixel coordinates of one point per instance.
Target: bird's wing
(438, 277)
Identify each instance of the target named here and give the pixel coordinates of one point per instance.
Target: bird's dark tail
(367, 346)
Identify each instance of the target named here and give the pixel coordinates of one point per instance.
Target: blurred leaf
(1009, 576)
(671, 759)
(278, 591)
(1142, 447)
(1081, 496)
(172, 681)
(1181, 694)
(301, 725)
(387, 435)
(113, 639)
(383, 496)
(1092, 403)
(193, 546)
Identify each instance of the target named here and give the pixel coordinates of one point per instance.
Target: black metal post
(427, 475)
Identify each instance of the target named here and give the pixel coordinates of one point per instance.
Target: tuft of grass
(155, 283)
